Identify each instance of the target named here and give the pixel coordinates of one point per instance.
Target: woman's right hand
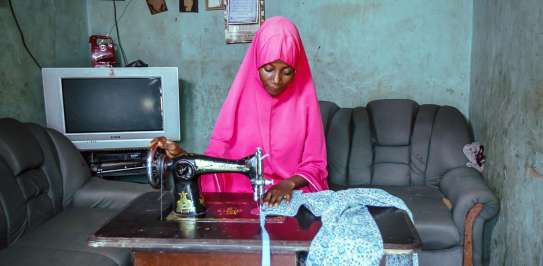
(171, 148)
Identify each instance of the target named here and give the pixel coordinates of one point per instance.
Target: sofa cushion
(30, 204)
(50, 166)
(69, 231)
(12, 207)
(18, 147)
(25, 202)
(433, 219)
(111, 194)
(327, 111)
(75, 171)
(449, 135)
(392, 121)
(338, 143)
(420, 143)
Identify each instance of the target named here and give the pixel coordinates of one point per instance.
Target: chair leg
(472, 215)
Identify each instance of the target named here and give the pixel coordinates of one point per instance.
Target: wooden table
(229, 234)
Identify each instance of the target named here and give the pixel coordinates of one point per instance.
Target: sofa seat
(433, 219)
(53, 237)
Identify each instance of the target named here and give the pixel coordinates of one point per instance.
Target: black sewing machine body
(186, 169)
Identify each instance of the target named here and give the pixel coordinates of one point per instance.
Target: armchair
(414, 152)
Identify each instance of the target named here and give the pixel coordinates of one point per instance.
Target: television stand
(104, 163)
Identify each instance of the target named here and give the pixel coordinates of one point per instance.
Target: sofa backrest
(36, 180)
(393, 142)
(70, 166)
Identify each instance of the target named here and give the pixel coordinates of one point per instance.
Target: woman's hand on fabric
(279, 192)
(283, 190)
(171, 148)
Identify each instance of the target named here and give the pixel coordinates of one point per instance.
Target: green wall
(506, 111)
(359, 50)
(56, 33)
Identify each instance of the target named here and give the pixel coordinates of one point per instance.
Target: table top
(231, 224)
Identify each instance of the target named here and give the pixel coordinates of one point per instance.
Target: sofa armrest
(100, 193)
(465, 187)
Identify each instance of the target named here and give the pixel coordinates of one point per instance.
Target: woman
(272, 104)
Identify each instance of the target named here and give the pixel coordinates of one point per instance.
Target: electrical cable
(120, 17)
(117, 30)
(22, 35)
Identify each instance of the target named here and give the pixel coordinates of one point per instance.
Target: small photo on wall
(188, 6)
(157, 6)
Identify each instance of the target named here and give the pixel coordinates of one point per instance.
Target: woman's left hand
(279, 192)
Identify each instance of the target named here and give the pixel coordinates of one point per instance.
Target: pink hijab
(288, 127)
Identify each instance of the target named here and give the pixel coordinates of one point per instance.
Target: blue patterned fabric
(348, 235)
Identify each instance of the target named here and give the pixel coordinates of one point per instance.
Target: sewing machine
(187, 168)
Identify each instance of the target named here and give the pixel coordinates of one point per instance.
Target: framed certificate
(214, 5)
(188, 6)
(242, 20)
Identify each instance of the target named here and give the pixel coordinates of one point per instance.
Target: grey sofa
(414, 152)
(50, 204)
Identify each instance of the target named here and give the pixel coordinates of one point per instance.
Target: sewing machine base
(235, 208)
(173, 216)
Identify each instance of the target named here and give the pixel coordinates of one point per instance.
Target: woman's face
(275, 76)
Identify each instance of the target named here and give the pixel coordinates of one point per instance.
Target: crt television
(112, 108)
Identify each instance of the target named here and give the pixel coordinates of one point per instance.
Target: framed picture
(157, 6)
(188, 6)
(214, 5)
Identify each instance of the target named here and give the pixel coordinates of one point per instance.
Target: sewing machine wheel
(156, 167)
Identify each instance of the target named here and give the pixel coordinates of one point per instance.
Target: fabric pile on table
(349, 234)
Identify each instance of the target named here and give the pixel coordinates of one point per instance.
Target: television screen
(112, 108)
(112, 105)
